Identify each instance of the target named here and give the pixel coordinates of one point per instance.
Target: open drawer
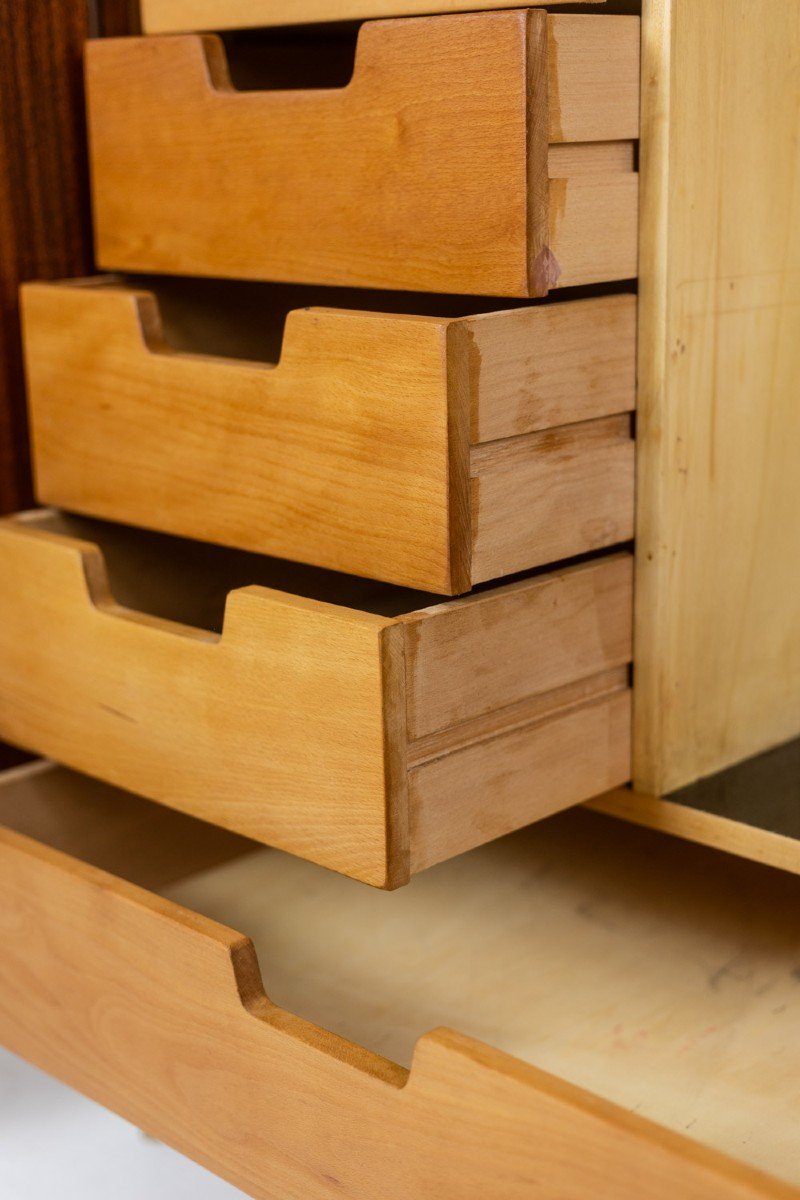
(640, 998)
(481, 153)
(371, 729)
(432, 451)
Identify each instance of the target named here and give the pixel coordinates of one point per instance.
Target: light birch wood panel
(352, 451)
(184, 16)
(735, 836)
(752, 809)
(566, 946)
(553, 494)
(428, 171)
(158, 1011)
(718, 623)
(271, 699)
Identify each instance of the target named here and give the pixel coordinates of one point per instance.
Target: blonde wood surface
(594, 226)
(184, 16)
(568, 946)
(159, 1012)
(593, 78)
(553, 494)
(565, 159)
(718, 634)
(529, 772)
(446, 121)
(458, 667)
(524, 713)
(351, 452)
(290, 725)
(709, 829)
(552, 364)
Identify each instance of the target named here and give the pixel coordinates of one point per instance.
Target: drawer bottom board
(571, 945)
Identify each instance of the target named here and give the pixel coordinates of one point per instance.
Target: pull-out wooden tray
(183, 16)
(365, 727)
(639, 998)
(428, 451)
(483, 153)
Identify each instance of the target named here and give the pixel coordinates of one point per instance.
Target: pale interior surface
(662, 976)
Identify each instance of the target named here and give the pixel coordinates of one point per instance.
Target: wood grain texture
(458, 667)
(352, 452)
(557, 493)
(173, 1032)
(529, 772)
(751, 809)
(185, 16)
(565, 159)
(446, 119)
(338, 455)
(552, 364)
(115, 830)
(718, 635)
(291, 726)
(708, 829)
(593, 227)
(212, 725)
(593, 81)
(568, 946)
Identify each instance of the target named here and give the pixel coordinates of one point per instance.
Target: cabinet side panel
(718, 626)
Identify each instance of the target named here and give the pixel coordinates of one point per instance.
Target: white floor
(55, 1143)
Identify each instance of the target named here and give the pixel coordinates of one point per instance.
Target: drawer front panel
(212, 725)
(292, 726)
(427, 172)
(338, 455)
(160, 1014)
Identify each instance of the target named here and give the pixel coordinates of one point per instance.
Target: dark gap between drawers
(179, 579)
(245, 320)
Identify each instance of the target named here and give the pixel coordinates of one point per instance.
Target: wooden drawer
(429, 171)
(583, 984)
(431, 452)
(183, 16)
(348, 722)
